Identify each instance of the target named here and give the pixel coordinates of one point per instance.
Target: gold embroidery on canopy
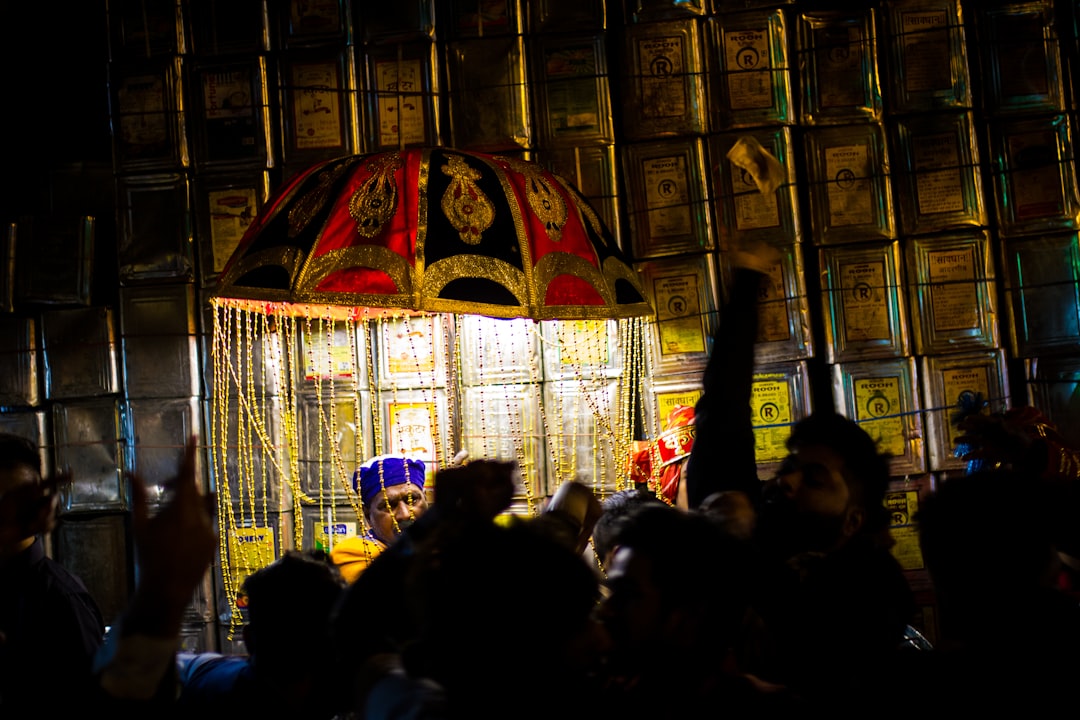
(438, 275)
(312, 202)
(370, 256)
(285, 257)
(465, 206)
(544, 200)
(375, 201)
(560, 263)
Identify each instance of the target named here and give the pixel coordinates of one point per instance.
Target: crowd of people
(717, 595)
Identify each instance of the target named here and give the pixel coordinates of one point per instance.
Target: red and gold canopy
(434, 230)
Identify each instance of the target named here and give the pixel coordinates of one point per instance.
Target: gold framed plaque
(1034, 173)
(401, 95)
(928, 56)
(882, 396)
(783, 308)
(952, 292)
(571, 91)
(949, 380)
(488, 103)
(750, 51)
(669, 198)
(1023, 57)
(779, 398)
(684, 293)
(850, 190)
(939, 179)
(1042, 283)
(863, 301)
(838, 67)
(754, 174)
(319, 114)
(664, 83)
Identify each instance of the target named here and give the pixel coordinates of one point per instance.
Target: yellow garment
(353, 555)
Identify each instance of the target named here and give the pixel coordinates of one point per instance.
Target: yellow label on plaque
(666, 402)
(773, 325)
(328, 534)
(328, 363)
(961, 385)
(316, 111)
(252, 549)
(877, 410)
(678, 310)
(849, 192)
(953, 298)
(412, 430)
(583, 342)
(866, 307)
(770, 404)
(903, 506)
(410, 346)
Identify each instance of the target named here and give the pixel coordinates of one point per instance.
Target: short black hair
(866, 469)
(17, 451)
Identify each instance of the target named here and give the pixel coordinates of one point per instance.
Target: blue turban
(386, 471)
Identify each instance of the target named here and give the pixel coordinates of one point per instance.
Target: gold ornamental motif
(544, 200)
(311, 203)
(464, 204)
(375, 201)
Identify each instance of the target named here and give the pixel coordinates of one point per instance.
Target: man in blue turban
(391, 489)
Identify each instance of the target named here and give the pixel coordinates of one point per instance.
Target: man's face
(808, 506)
(402, 503)
(19, 475)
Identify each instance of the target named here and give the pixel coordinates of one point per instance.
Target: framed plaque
(20, 362)
(504, 422)
(160, 342)
(938, 177)
(664, 81)
(952, 292)
(863, 300)
(160, 428)
(684, 293)
(669, 198)
(927, 52)
(557, 16)
(327, 525)
(488, 103)
(155, 228)
(54, 259)
(97, 551)
(225, 205)
(1042, 284)
(79, 346)
(665, 393)
(1054, 388)
(1034, 168)
(481, 18)
(784, 310)
(228, 27)
(415, 423)
(248, 475)
(581, 349)
(949, 380)
(402, 95)
(314, 22)
(571, 93)
(779, 398)
(752, 73)
(903, 500)
(93, 438)
(849, 184)
(335, 435)
(1023, 56)
(319, 113)
(582, 434)
(149, 125)
(882, 396)
(499, 350)
(754, 173)
(413, 352)
(594, 171)
(231, 120)
(331, 352)
(145, 29)
(838, 67)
